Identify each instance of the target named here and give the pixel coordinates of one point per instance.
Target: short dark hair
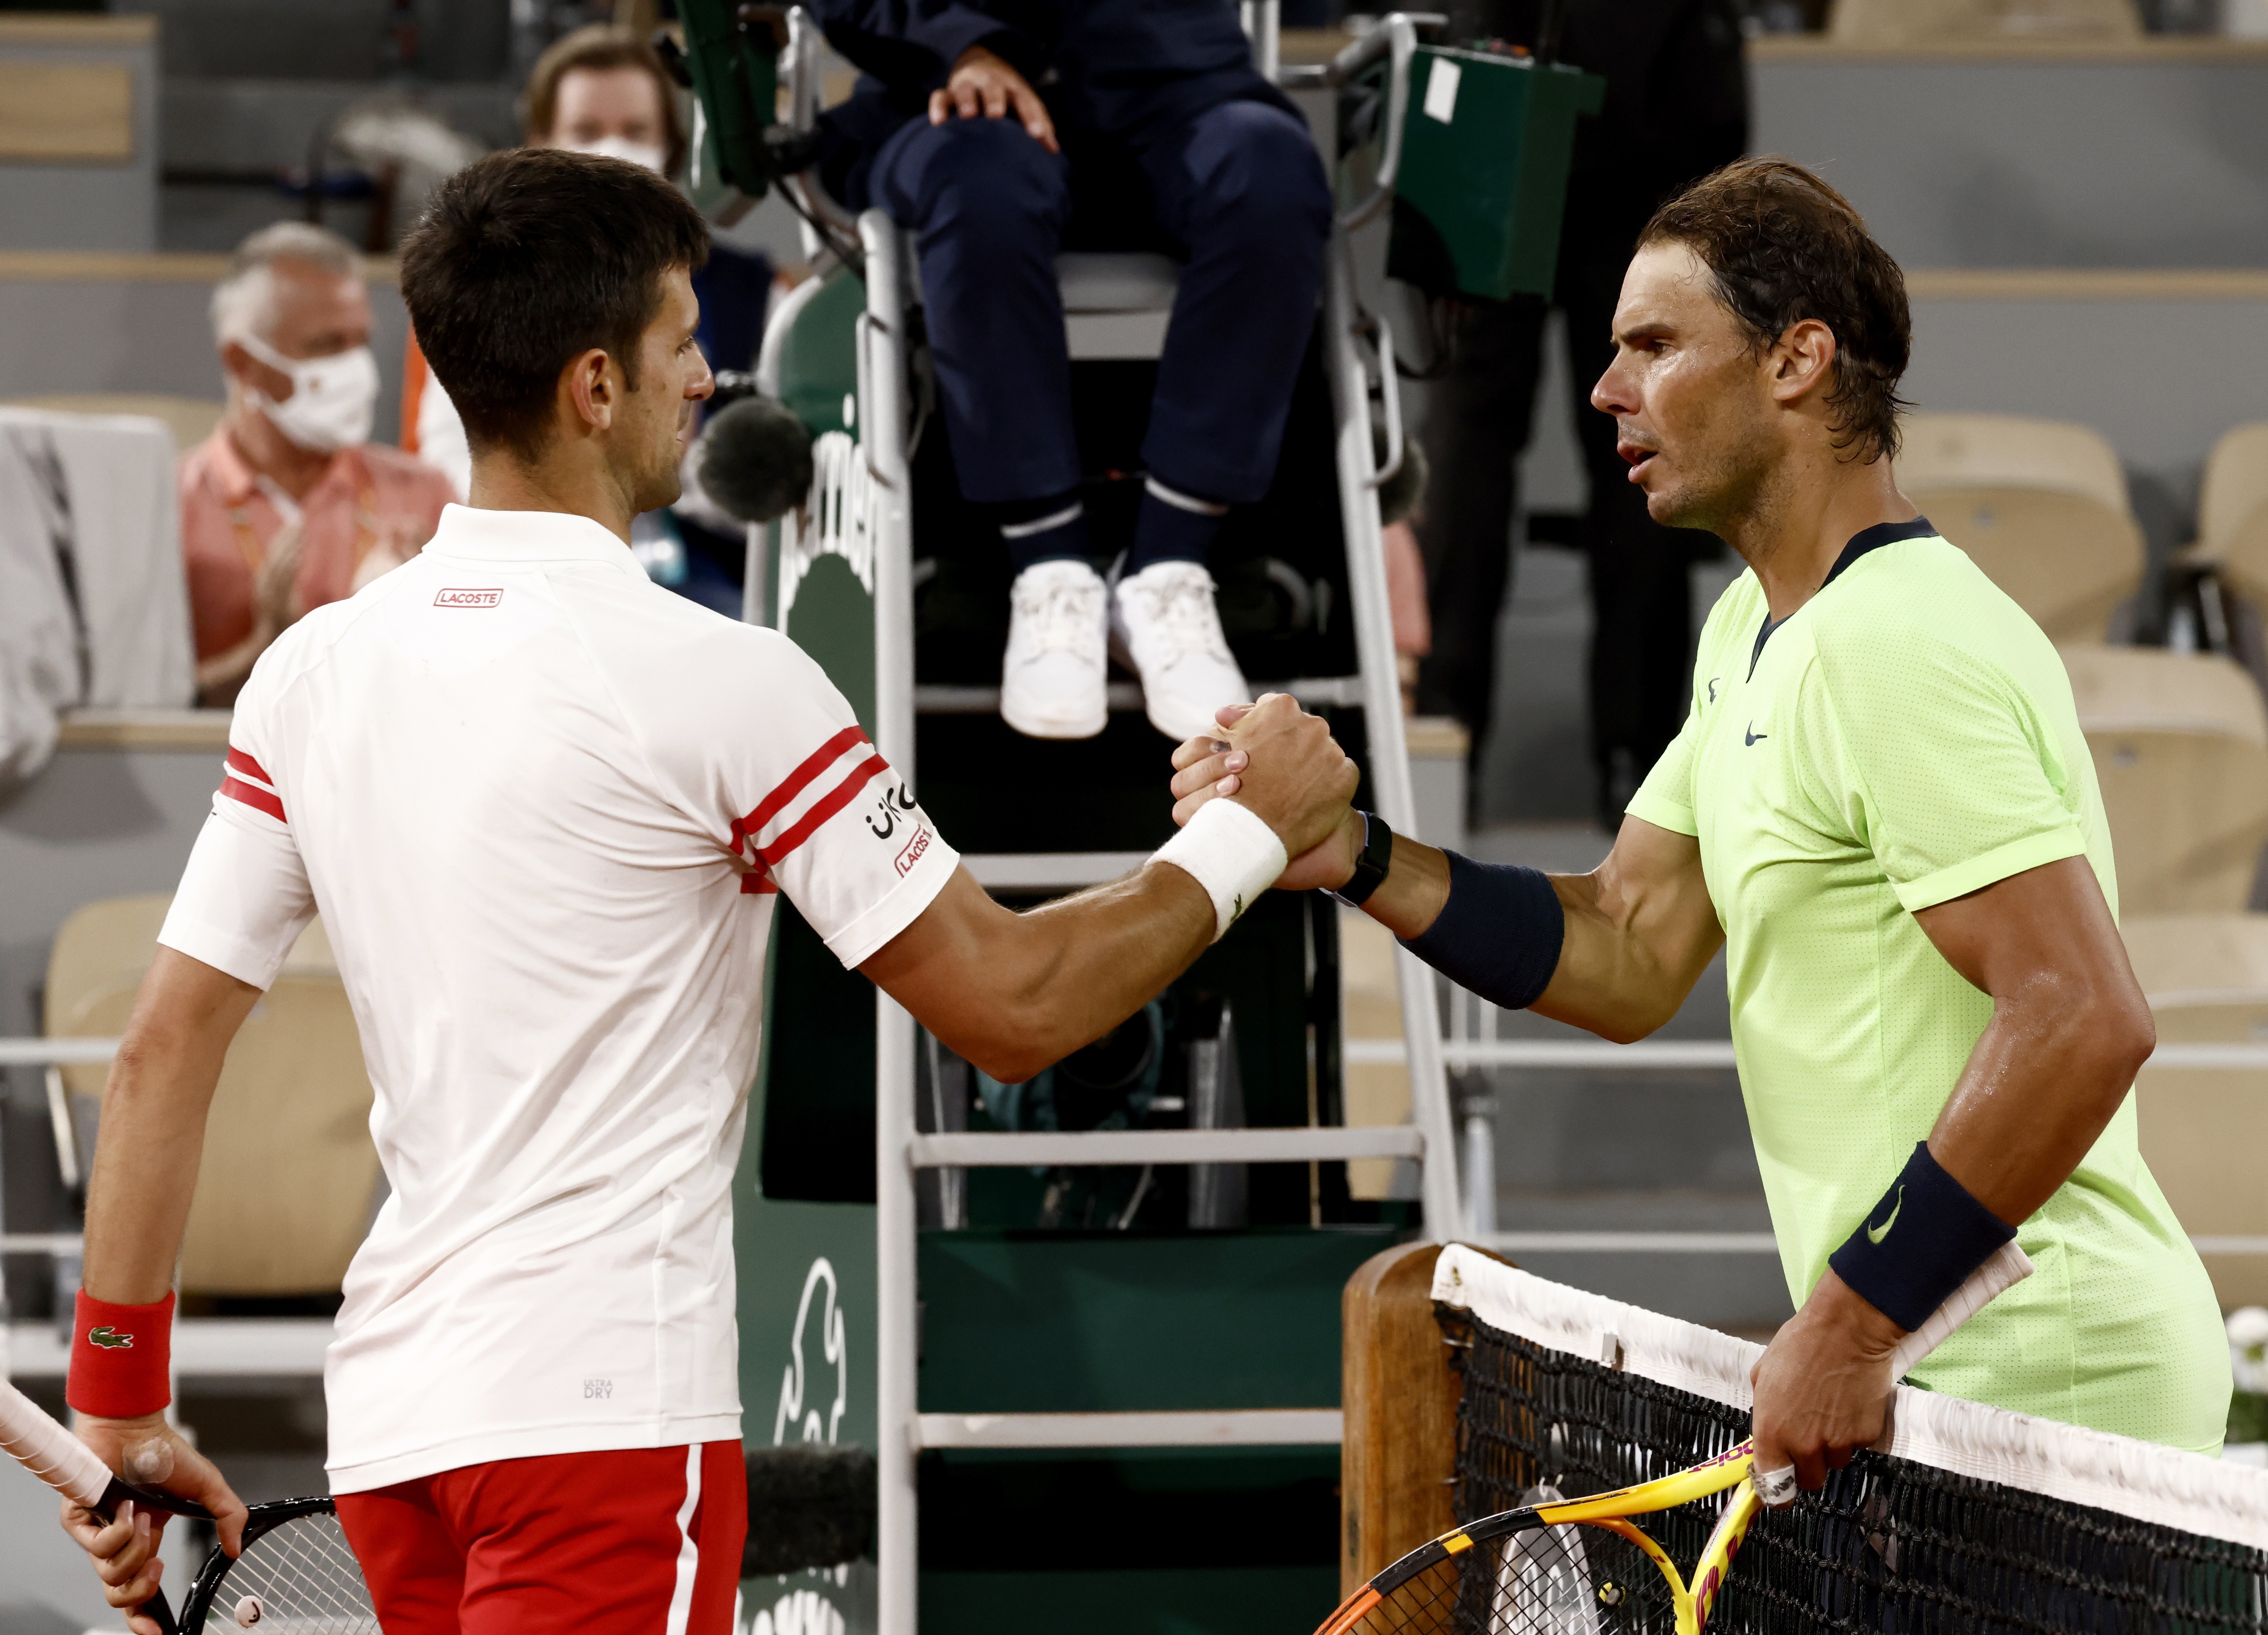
(525, 259)
(1783, 247)
(597, 49)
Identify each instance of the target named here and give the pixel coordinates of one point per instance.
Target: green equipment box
(1486, 144)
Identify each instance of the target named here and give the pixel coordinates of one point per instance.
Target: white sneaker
(1052, 679)
(1165, 618)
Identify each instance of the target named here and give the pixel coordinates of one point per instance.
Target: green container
(735, 74)
(1485, 148)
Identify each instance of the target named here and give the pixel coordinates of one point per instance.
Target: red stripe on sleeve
(776, 853)
(259, 800)
(239, 762)
(794, 784)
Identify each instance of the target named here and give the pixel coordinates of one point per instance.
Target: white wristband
(1229, 850)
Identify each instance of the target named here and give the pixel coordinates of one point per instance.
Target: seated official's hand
(1208, 769)
(149, 1452)
(984, 86)
(1823, 1384)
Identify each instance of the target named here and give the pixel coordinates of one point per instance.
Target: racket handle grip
(2007, 1266)
(49, 1451)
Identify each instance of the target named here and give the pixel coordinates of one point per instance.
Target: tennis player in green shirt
(1882, 806)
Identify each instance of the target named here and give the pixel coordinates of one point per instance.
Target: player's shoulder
(1737, 610)
(1920, 604)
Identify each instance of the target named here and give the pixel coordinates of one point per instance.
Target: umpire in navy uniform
(1001, 132)
(1677, 108)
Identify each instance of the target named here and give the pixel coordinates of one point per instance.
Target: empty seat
(2040, 505)
(2180, 750)
(2203, 1130)
(2233, 511)
(285, 1191)
(1927, 22)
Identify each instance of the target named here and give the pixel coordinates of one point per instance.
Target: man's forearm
(1014, 993)
(153, 1125)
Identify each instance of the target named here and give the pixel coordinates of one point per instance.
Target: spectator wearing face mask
(288, 505)
(602, 90)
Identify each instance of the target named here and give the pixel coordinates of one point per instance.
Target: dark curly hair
(1783, 247)
(528, 257)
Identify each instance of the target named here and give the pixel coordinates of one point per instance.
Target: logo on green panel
(110, 1339)
(1874, 1233)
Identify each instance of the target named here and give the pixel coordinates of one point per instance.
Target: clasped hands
(1284, 764)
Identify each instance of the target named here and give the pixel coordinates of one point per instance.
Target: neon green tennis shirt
(1906, 736)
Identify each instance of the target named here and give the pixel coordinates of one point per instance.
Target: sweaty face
(1688, 394)
(655, 421)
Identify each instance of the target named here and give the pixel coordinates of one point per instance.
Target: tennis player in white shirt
(545, 808)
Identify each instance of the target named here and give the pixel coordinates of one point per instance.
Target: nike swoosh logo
(1755, 737)
(1712, 688)
(1874, 1233)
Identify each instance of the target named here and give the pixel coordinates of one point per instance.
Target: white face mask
(333, 399)
(641, 153)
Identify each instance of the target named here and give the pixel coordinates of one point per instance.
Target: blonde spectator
(289, 504)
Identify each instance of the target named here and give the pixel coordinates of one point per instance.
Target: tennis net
(1976, 1519)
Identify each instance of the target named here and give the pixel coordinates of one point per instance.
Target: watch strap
(1371, 864)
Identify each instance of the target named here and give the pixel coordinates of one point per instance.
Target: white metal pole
(882, 424)
(1389, 750)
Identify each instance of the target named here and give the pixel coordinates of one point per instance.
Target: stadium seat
(2202, 1129)
(2233, 513)
(2181, 749)
(2041, 505)
(1923, 22)
(190, 419)
(285, 1191)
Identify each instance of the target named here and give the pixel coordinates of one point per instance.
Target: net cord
(2166, 1486)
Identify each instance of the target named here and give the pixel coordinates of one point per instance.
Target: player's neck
(1803, 516)
(565, 480)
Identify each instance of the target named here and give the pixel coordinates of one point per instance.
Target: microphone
(755, 459)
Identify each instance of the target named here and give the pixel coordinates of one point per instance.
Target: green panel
(735, 77)
(1480, 194)
(1089, 1321)
(819, 357)
(833, 620)
(1218, 1601)
(783, 1251)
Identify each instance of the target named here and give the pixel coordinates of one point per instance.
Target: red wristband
(121, 1358)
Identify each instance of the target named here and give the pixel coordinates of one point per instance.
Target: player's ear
(590, 388)
(1802, 360)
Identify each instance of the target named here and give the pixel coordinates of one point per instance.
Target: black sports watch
(1371, 864)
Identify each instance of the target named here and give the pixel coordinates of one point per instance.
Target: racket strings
(305, 1581)
(1562, 1580)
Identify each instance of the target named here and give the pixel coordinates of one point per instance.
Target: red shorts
(636, 1542)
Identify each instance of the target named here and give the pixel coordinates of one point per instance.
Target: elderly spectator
(289, 504)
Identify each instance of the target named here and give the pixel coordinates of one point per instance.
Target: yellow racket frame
(1611, 1511)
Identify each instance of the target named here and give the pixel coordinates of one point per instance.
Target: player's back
(544, 807)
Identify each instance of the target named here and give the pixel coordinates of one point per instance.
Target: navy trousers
(1240, 188)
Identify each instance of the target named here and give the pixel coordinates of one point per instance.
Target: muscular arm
(2070, 1029)
(1639, 929)
(1014, 992)
(145, 1171)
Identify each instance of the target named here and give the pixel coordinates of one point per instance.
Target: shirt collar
(1864, 541)
(467, 534)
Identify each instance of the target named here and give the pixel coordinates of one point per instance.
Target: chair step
(1050, 871)
(1233, 1427)
(987, 1150)
(1339, 691)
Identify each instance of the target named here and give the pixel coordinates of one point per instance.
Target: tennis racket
(1584, 1566)
(295, 1576)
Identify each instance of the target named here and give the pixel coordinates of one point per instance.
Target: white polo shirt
(544, 807)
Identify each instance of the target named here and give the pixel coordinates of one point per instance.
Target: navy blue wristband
(1499, 934)
(1919, 1243)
